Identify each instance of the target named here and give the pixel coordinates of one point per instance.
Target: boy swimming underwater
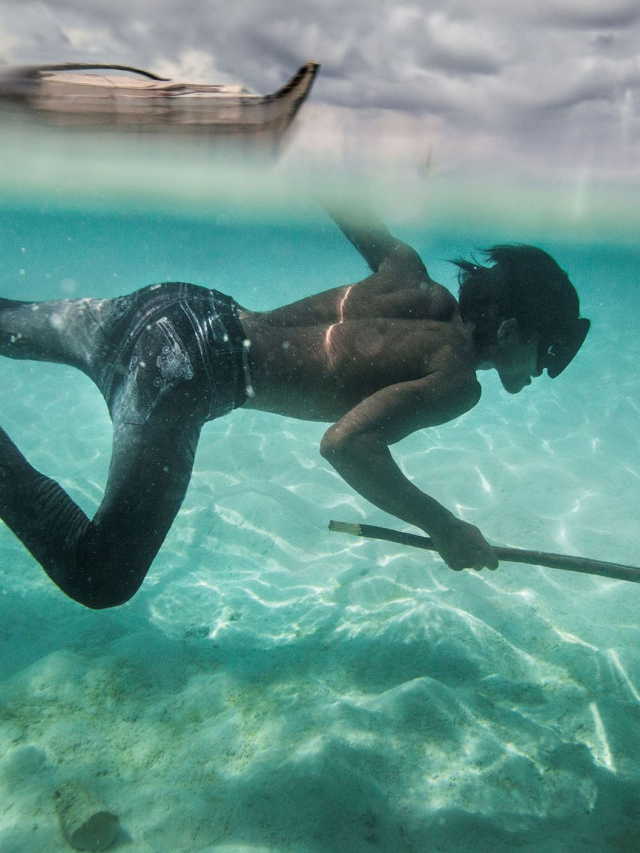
(378, 359)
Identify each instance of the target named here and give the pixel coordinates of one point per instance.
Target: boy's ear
(508, 332)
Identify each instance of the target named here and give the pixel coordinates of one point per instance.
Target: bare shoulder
(445, 345)
(453, 359)
(467, 391)
(450, 388)
(402, 268)
(454, 342)
(406, 262)
(395, 293)
(402, 287)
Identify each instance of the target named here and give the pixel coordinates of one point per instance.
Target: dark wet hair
(525, 283)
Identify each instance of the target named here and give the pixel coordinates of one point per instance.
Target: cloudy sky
(533, 85)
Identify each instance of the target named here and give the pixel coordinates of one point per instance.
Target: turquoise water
(276, 687)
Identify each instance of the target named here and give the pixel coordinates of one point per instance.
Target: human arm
(370, 236)
(358, 448)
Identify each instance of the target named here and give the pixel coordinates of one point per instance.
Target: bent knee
(103, 601)
(103, 574)
(103, 595)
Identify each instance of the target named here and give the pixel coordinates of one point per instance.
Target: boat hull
(59, 96)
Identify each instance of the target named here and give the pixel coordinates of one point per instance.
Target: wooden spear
(510, 555)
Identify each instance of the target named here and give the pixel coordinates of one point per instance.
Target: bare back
(317, 358)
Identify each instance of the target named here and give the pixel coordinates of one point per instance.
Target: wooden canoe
(75, 95)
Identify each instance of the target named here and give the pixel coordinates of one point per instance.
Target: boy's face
(516, 357)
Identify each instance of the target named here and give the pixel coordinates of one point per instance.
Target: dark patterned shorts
(176, 341)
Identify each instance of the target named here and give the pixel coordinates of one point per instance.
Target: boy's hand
(462, 546)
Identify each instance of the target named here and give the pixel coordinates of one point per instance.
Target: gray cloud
(591, 14)
(489, 79)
